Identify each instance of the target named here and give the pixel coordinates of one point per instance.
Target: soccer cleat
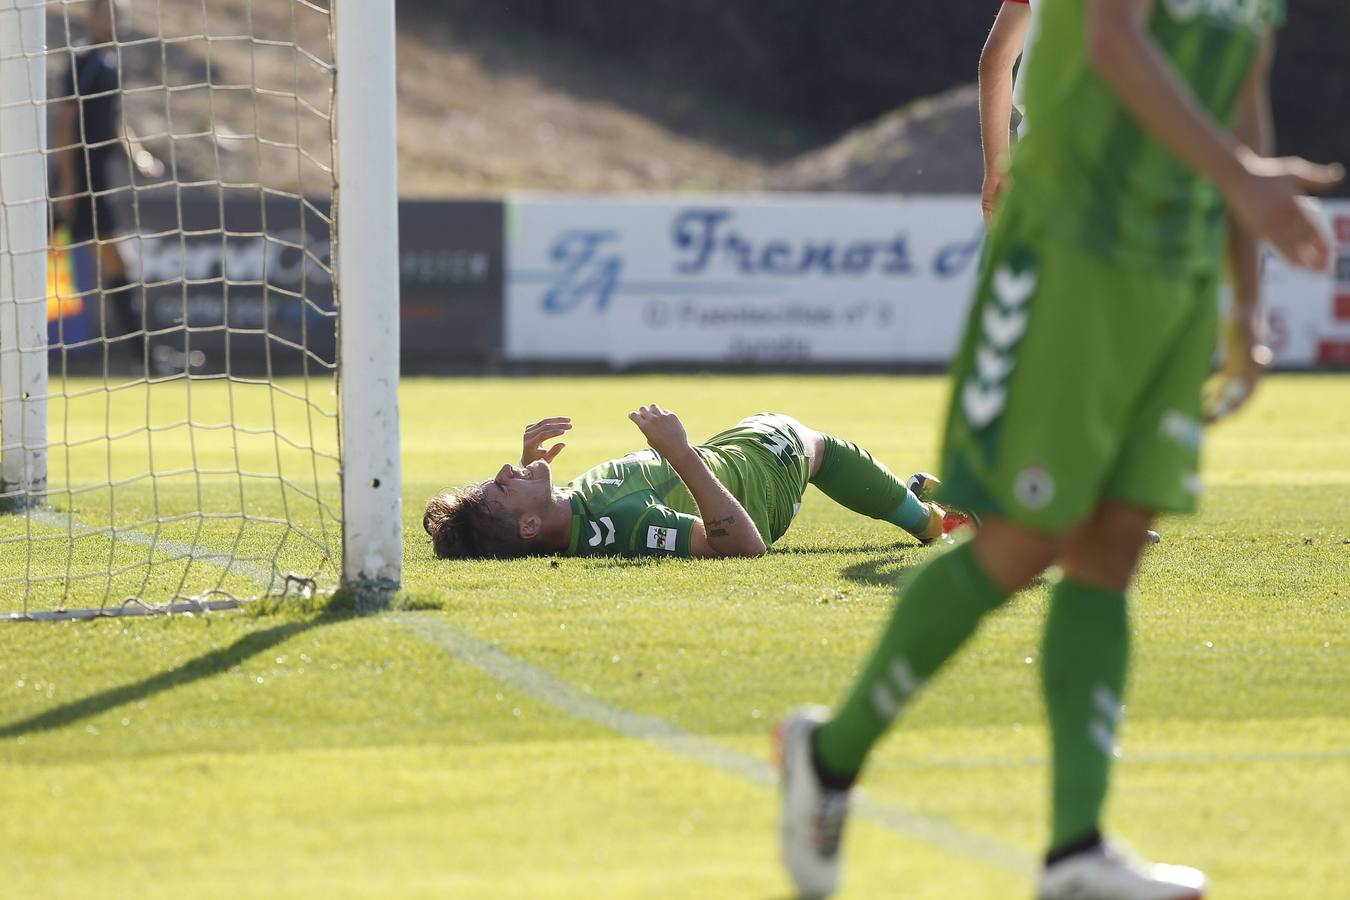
(1108, 872)
(924, 486)
(812, 819)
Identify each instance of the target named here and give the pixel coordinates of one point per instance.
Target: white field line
(261, 574)
(1129, 759)
(568, 699)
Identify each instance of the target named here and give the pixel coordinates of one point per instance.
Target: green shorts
(765, 466)
(1078, 380)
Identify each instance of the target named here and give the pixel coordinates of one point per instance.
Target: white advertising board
(738, 279)
(800, 279)
(1334, 344)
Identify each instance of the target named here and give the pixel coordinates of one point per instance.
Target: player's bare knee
(1105, 551)
(1012, 555)
(812, 440)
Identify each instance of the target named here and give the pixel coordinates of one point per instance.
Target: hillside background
(873, 87)
(822, 95)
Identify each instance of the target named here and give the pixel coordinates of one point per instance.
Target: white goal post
(219, 420)
(367, 104)
(23, 252)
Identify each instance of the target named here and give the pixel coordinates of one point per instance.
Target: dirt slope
(480, 115)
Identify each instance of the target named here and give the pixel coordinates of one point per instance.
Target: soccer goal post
(199, 292)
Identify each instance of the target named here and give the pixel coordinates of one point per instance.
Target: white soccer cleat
(811, 823)
(1110, 873)
(923, 485)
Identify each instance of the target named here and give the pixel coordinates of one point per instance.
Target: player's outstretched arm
(1263, 192)
(997, 61)
(532, 447)
(1245, 357)
(726, 529)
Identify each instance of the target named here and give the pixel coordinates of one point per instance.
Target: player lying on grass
(732, 496)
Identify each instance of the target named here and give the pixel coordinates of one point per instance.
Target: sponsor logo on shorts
(778, 445)
(659, 538)
(1183, 429)
(985, 394)
(1034, 487)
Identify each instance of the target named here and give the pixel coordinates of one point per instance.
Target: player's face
(520, 491)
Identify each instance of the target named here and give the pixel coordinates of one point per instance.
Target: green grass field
(589, 729)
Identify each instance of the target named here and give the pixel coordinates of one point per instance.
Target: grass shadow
(881, 571)
(205, 666)
(892, 547)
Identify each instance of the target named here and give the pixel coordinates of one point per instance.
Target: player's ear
(528, 527)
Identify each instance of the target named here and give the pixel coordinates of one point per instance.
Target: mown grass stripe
(544, 686)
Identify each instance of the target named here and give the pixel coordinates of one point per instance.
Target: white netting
(188, 315)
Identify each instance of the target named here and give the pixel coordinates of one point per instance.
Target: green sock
(937, 610)
(1083, 662)
(849, 476)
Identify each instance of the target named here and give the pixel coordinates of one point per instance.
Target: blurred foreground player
(1000, 94)
(1077, 395)
(733, 495)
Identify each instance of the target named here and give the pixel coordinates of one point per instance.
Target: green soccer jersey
(639, 506)
(634, 506)
(1093, 174)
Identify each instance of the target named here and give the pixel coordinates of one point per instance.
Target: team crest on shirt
(659, 538)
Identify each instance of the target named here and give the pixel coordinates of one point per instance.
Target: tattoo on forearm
(719, 527)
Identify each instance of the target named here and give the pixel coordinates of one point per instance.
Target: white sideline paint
(568, 699)
(263, 575)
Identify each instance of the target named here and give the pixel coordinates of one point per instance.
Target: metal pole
(23, 252)
(368, 295)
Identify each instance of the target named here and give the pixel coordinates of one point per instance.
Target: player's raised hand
(662, 428)
(543, 430)
(1268, 201)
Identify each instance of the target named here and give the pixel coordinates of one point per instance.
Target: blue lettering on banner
(707, 240)
(585, 273)
(587, 265)
(954, 259)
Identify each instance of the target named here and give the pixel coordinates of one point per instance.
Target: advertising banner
(801, 280)
(1333, 346)
(450, 275)
(233, 282)
(747, 279)
(265, 269)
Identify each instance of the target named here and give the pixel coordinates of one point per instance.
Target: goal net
(192, 405)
